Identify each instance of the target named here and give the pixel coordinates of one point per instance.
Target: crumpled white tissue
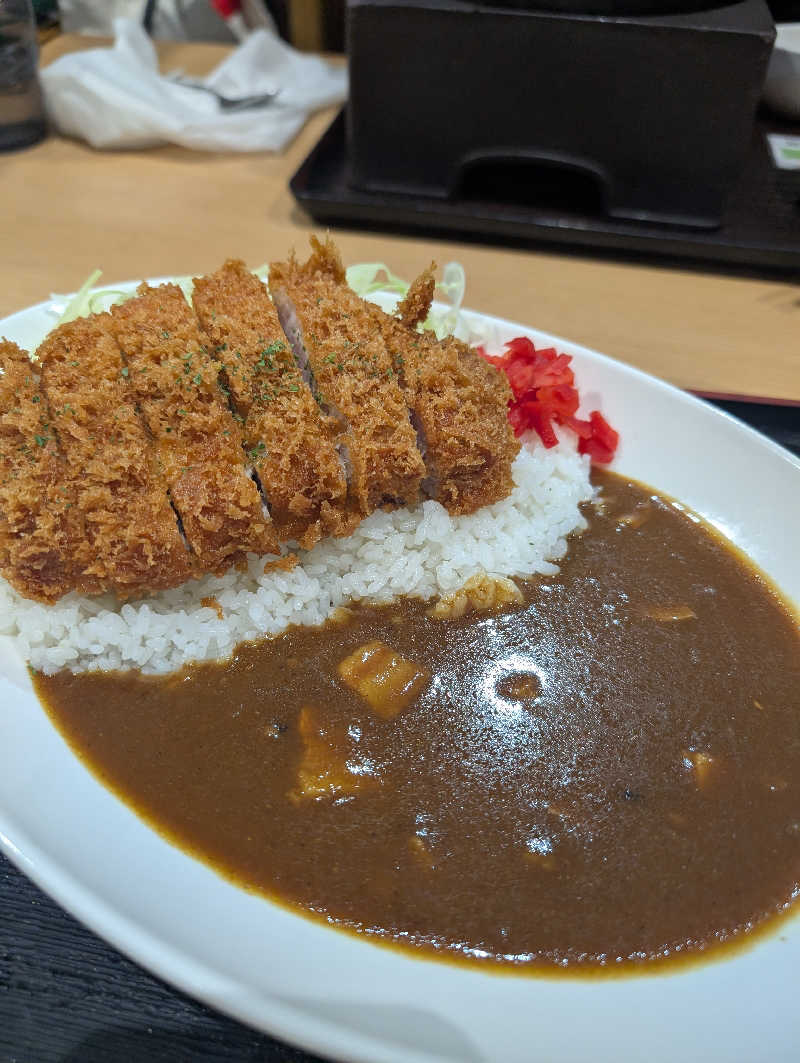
(116, 98)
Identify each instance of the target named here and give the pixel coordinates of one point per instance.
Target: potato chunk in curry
(326, 770)
(702, 764)
(386, 680)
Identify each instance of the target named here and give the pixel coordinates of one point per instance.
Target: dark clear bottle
(21, 106)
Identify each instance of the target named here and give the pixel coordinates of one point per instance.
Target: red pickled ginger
(543, 386)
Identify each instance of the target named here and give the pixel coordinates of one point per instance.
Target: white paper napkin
(116, 98)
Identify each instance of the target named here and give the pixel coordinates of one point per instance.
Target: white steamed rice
(420, 551)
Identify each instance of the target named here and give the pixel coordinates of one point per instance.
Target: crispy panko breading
(153, 447)
(354, 379)
(415, 306)
(41, 529)
(289, 441)
(175, 385)
(459, 406)
(131, 533)
(458, 402)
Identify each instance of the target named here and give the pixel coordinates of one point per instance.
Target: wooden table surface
(66, 209)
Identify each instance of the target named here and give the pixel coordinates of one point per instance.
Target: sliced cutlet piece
(459, 405)
(289, 441)
(176, 387)
(458, 401)
(345, 357)
(41, 530)
(132, 539)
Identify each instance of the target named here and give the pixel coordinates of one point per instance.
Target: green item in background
(785, 150)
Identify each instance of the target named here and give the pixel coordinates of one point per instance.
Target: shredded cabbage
(365, 278)
(88, 300)
(80, 303)
(186, 285)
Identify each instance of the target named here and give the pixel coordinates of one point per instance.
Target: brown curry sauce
(605, 775)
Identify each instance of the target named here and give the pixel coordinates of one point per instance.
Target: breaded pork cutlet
(345, 358)
(459, 406)
(458, 401)
(175, 385)
(131, 532)
(289, 441)
(41, 530)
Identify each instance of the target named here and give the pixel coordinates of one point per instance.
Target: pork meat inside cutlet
(345, 356)
(176, 387)
(41, 530)
(458, 401)
(290, 442)
(132, 539)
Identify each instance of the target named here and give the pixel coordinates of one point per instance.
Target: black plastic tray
(761, 226)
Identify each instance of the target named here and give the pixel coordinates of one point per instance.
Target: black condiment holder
(648, 113)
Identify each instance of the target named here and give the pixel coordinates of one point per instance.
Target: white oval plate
(344, 997)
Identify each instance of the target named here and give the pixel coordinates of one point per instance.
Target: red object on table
(226, 8)
(231, 12)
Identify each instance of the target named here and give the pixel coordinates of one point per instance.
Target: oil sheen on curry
(603, 773)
